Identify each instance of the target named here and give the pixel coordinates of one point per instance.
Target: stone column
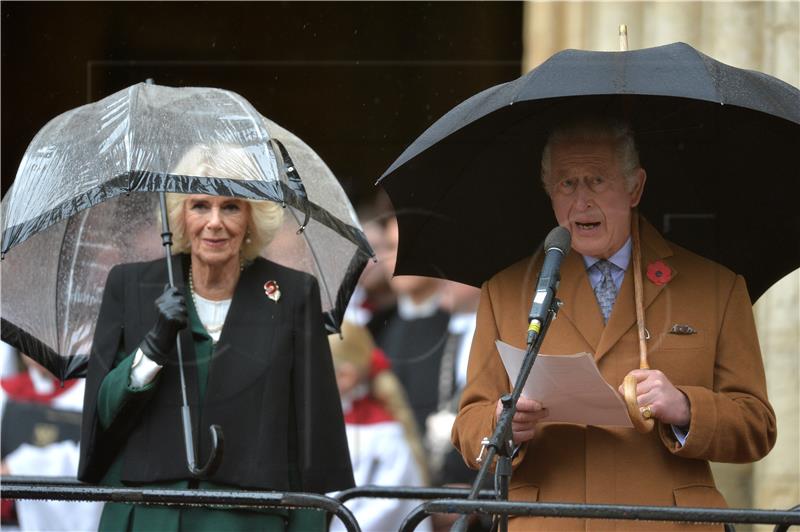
(776, 478)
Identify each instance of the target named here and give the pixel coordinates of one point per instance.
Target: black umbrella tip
(559, 238)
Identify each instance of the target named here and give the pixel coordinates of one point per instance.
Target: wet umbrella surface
(719, 145)
(84, 200)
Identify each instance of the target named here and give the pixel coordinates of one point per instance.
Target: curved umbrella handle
(641, 423)
(634, 412)
(217, 447)
(217, 450)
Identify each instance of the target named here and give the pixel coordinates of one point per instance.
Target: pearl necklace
(210, 329)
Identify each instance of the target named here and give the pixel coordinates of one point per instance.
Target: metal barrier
(61, 489)
(783, 519)
(384, 492)
(445, 500)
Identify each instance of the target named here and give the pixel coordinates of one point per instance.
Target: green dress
(115, 392)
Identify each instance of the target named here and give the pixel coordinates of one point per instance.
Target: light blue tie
(606, 290)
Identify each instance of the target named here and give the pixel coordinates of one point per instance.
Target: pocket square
(682, 329)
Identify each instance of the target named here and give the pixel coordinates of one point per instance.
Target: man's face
(590, 197)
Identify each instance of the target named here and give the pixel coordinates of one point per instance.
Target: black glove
(172, 317)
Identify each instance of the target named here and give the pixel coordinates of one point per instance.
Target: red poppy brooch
(659, 273)
(272, 290)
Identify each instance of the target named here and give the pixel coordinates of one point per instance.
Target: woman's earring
(247, 239)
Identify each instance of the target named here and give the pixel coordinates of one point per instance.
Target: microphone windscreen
(558, 238)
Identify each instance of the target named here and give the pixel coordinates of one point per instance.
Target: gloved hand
(172, 317)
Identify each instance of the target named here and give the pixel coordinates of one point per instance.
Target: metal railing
(401, 492)
(782, 519)
(439, 500)
(66, 489)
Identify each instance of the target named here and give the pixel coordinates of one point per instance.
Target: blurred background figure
(41, 421)
(427, 336)
(385, 447)
(447, 466)
(413, 332)
(373, 292)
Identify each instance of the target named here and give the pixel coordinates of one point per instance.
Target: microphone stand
(501, 443)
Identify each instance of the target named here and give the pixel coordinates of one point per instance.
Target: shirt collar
(409, 310)
(620, 259)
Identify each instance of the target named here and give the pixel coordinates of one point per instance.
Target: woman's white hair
(595, 129)
(228, 162)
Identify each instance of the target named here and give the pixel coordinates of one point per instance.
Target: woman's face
(215, 226)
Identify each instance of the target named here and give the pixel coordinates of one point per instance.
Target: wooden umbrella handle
(629, 384)
(638, 294)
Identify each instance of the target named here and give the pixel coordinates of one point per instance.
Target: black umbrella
(719, 144)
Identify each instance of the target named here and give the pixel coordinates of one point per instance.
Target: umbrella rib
(316, 261)
(249, 113)
(70, 282)
(702, 57)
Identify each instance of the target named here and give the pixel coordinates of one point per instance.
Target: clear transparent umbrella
(84, 199)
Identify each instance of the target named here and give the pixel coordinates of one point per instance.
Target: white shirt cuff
(143, 370)
(680, 434)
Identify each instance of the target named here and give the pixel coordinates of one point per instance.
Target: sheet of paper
(570, 386)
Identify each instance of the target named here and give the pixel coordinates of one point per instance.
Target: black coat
(271, 387)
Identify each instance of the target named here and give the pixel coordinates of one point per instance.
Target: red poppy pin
(272, 290)
(659, 273)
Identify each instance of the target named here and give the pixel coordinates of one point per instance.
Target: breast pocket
(686, 359)
(699, 496)
(668, 341)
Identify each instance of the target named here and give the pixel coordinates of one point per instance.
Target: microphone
(556, 246)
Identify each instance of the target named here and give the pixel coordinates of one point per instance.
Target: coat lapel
(580, 305)
(249, 329)
(623, 316)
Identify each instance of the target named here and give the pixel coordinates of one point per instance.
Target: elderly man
(707, 391)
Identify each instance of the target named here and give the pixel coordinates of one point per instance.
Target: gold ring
(647, 412)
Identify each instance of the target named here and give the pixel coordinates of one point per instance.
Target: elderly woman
(256, 360)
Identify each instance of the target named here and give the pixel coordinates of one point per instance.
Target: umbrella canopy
(719, 145)
(83, 201)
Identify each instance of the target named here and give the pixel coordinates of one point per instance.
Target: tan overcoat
(719, 368)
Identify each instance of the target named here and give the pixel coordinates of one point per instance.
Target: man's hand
(529, 413)
(667, 403)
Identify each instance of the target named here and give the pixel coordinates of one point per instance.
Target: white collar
(409, 310)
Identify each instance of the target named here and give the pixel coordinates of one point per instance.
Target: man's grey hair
(595, 129)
